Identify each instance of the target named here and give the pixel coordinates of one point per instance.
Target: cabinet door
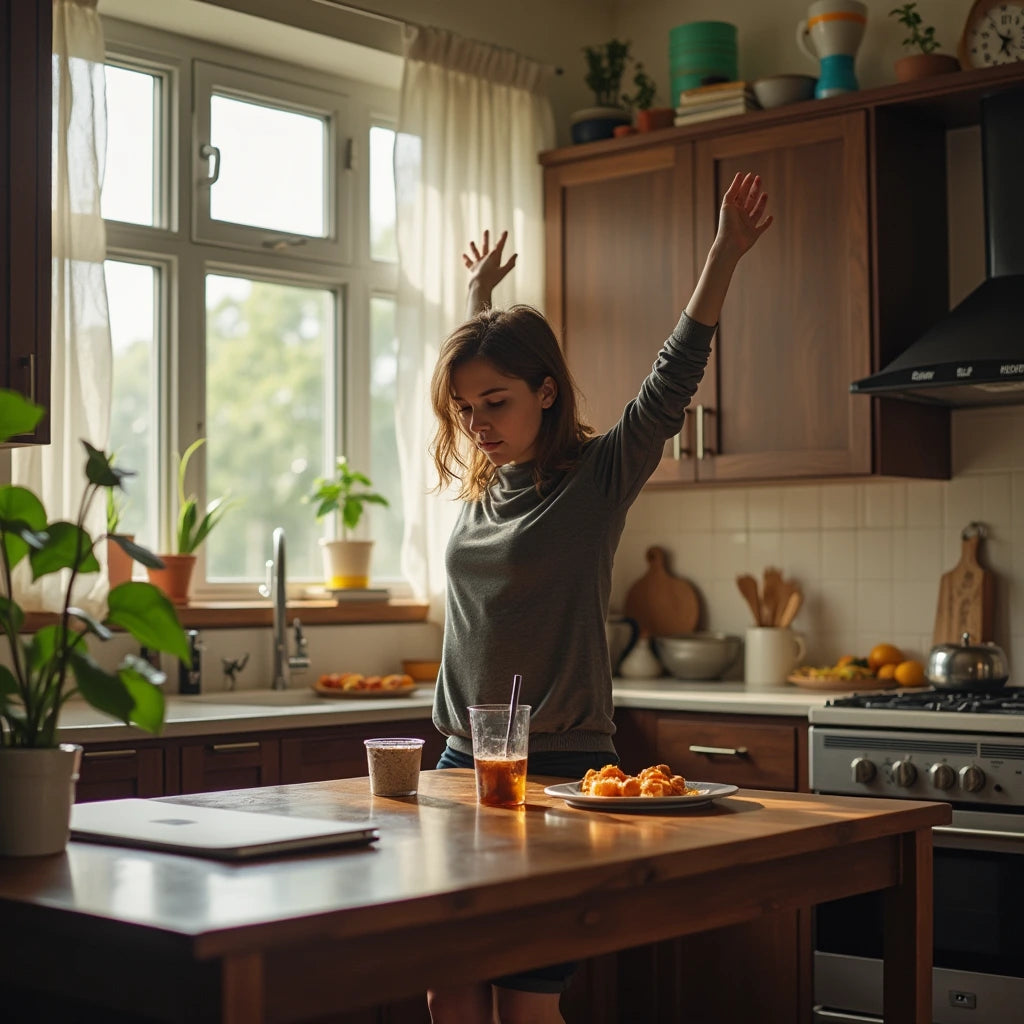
(619, 271)
(25, 46)
(229, 763)
(316, 755)
(118, 772)
(796, 326)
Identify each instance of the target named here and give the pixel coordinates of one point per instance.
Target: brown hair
(519, 343)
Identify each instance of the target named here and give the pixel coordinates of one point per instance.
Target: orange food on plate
(331, 680)
(655, 781)
(909, 673)
(396, 681)
(351, 681)
(887, 671)
(884, 654)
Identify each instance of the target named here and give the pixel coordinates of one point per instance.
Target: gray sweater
(529, 575)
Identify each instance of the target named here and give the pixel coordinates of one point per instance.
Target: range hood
(975, 354)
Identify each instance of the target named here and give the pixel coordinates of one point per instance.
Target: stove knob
(862, 769)
(943, 776)
(904, 774)
(972, 779)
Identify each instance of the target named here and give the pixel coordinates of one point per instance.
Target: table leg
(242, 989)
(907, 986)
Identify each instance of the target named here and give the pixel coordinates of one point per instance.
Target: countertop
(299, 708)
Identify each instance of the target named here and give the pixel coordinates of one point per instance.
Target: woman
(529, 562)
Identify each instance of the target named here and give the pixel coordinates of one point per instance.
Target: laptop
(209, 831)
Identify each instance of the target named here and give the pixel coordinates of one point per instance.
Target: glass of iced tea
(500, 772)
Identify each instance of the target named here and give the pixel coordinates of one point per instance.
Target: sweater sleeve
(625, 457)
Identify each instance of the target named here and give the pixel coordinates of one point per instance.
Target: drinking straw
(513, 703)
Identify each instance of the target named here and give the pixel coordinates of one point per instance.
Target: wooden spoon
(770, 596)
(788, 614)
(748, 588)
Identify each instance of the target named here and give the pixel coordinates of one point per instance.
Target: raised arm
(485, 271)
(740, 225)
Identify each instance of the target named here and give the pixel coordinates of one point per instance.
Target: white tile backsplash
(869, 555)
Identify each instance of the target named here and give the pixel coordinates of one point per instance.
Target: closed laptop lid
(209, 831)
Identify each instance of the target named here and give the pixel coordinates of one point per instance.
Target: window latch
(211, 153)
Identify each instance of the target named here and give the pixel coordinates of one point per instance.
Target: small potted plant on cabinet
(925, 62)
(605, 67)
(175, 576)
(38, 773)
(346, 561)
(648, 117)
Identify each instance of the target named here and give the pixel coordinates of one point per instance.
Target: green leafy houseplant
(605, 67)
(191, 529)
(55, 664)
(922, 39)
(339, 494)
(645, 90)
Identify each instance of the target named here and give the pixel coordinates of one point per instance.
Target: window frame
(188, 259)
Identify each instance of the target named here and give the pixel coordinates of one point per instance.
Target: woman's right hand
(486, 269)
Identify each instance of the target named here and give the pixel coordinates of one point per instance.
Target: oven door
(978, 939)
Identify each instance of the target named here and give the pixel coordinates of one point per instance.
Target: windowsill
(253, 614)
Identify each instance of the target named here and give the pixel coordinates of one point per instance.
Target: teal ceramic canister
(702, 51)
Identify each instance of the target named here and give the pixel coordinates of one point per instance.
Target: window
(251, 285)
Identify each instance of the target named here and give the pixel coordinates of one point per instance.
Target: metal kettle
(967, 666)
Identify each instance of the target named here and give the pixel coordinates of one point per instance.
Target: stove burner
(1007, 702)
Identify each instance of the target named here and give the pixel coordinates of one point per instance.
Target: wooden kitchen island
(451, 892)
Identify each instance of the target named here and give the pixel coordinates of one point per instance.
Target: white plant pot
(346, 563)
(37, 789)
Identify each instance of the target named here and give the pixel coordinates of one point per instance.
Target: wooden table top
(439, 855)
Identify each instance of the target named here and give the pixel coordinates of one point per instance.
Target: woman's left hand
(484, 263)
(740, 222)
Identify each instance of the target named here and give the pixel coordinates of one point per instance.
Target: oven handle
(979, 833)
(821, 1014)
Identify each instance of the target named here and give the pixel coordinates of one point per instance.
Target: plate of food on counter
(356, 686)
(655, 790)
(885, 667)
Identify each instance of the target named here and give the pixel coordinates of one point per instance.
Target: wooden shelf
(256, 614)
(953, 100)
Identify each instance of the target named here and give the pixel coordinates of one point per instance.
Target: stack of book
(723, 99)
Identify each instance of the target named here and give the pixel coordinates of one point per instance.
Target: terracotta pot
(924, 65)
(37, 789)
(175, 578)
(119, 564)
(346, 563)
(622, 130)
(654, 119)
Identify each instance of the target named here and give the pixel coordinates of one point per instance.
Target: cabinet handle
(30, 362)
(678, 451)
(108, 755)
(702, 448)
(233, 748)
(730, 751)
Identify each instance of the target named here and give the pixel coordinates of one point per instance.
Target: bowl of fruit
(354, 685)
(885, 667)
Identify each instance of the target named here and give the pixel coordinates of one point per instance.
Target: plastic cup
(394, 763)
(500, 773)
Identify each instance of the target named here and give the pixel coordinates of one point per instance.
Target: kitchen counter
(451, 892)
(299, 708)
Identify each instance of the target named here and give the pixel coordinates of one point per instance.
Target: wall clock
(993, 34)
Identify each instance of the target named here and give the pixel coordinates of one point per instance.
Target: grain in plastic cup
(394, 763)
(500, 772)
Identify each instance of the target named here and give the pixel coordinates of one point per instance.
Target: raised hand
(484, 265)
(741, 221)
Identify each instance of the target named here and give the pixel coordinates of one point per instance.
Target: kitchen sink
(262, 698)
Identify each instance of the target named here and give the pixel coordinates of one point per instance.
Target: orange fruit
(909, 673)
(846, 659)
(886, 671)
(884, 654)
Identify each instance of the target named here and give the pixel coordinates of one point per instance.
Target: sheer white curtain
(472, 119)
(81, 359)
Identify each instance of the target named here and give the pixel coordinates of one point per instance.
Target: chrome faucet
(284, 663)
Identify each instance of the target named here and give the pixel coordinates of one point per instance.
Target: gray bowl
(697, 655)
(781, 90)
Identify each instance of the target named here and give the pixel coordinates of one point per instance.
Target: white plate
(707, 791)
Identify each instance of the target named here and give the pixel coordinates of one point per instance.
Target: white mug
(770, 655)
(832, 27)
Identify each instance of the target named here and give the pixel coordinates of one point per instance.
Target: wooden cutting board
(662, 604)
(965, 596)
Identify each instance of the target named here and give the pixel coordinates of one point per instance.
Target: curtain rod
(391, 20)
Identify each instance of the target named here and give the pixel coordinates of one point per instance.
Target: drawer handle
(233, 748)
(730, 751)
(108, 755)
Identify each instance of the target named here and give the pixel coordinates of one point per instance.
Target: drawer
(235, 763)
(113, 773)
(753, 756)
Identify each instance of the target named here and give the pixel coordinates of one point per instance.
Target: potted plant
(648, 118)
(605, 67)
(119, 560)
(926, 62)
(175, 576)
(346, 561)
(41, 672)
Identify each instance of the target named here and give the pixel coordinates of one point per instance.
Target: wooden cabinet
(231, 762)
(112, 772)
(827, 296)
(25, 47)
